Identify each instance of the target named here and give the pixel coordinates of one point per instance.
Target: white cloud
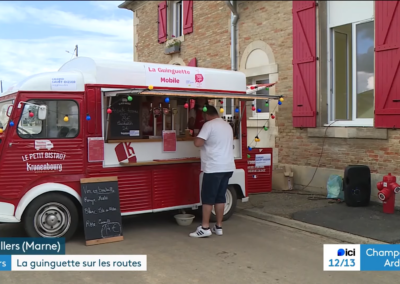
(106, 5)
(106, 39)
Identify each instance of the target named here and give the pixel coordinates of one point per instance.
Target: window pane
(365, 70)
(3, 114)
(261, 103)
(62, 120)
(340, 62)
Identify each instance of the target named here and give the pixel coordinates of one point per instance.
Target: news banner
(39, 254)
(371, 257)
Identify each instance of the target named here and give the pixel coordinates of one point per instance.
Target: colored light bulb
(249, 148)
(88, 117)
(186, 105)
(221, 109)
(109, 110)
(204, 108)
(166, 100)
(237, 109)
(150, 87)
(281, 99)
(279, 103)
(129, 98)
(66, 118)
(12, 123)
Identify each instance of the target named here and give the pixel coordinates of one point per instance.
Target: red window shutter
(387, 64)
(162, 22)
(304, 64)
(193, 62)
(187, 17)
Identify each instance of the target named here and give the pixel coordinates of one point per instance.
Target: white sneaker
(200, 233)
(216, 231)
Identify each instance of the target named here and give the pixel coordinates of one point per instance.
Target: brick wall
(209, 42)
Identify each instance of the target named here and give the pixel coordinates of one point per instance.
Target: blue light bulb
(279, 103)
(88, 117)
(166, 100)
(12, 123)
(236, 109)
(250, 148)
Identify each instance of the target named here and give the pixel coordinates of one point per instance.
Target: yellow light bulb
(150, 87)
(66, 118)
(281, 99)
(1, 130)
(221, 110)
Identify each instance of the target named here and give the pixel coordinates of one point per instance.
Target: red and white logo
(124, 151)
(198, 78)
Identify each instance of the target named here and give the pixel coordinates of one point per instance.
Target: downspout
(234, 18)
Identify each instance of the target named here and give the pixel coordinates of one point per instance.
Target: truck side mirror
(42, 112)
(9, 110)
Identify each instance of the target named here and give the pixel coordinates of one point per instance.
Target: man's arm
(203, 135)
(199, 142)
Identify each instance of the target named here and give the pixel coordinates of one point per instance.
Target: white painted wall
(346, 12)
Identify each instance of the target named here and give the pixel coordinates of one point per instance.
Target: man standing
(217, 164)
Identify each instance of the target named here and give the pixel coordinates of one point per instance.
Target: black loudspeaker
(357, 185)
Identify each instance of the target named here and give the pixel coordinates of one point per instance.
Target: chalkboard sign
(101, 210)
(124, 121)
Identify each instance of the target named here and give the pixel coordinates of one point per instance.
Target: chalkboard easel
(101, 210)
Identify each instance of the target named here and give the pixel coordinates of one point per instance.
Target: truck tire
(230, 205)
(51, 215)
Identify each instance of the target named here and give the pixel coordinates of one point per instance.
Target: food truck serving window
(62, 120)
(139, 117)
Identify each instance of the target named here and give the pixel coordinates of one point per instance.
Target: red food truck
(95, 118)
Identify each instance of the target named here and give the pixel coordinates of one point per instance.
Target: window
(177, 19)
(62, 120)
(144, 117)
(351, 67)
(4, 107)
(260, 104)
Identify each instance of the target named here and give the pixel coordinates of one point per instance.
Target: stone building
(328, 58)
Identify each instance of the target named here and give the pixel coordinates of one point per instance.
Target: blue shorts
(214, 186)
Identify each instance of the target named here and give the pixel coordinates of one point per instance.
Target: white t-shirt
(217, 153)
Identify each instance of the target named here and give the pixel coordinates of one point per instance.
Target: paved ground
(251, 251)
(369, 222)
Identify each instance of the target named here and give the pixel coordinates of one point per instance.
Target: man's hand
(198, 142)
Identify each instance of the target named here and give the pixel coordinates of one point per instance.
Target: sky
(35, 35)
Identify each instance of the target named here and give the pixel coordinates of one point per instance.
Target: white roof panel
(76, 73)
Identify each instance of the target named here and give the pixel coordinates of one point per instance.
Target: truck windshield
(3, 113)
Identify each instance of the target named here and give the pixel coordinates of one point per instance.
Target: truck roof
(81, 71)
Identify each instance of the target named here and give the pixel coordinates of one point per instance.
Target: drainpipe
(234, 18)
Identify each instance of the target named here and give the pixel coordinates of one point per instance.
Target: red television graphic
(124, 151)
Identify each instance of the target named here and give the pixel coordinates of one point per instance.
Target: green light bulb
(204, 108)
(129, 98)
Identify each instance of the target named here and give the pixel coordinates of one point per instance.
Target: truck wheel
(51, 215)
(230, 205)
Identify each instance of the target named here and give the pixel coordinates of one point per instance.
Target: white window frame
(255, 114)
(174, 13)
(357, 122)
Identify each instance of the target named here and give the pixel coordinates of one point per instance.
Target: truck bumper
(7, 213)
(245, 199)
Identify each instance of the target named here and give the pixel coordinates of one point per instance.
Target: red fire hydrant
(387, 190)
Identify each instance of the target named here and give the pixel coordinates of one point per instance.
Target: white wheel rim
(228, 203)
